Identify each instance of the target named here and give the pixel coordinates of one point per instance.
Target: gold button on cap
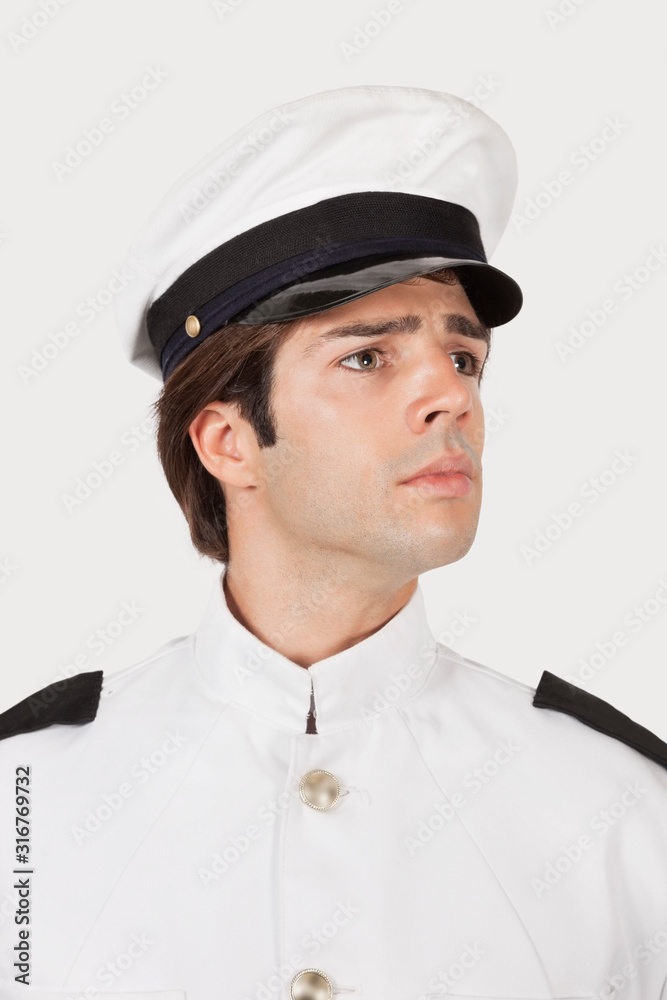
(319, 789)
(311, 984)
(192, 326)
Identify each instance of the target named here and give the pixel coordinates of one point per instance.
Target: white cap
(361, 174)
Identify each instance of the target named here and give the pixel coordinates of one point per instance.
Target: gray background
(552, 79)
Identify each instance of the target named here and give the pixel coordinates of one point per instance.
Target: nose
(439, 391)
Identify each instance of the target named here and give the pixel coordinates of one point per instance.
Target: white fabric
(169, 839)
(365, 138)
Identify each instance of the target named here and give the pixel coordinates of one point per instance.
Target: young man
(310, 797)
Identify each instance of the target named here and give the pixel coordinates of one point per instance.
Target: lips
(447, 465)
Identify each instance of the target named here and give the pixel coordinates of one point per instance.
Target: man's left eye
(475, 365)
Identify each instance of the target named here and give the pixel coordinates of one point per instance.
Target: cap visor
(495, 297)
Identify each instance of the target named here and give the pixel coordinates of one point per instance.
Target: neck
(309, 611)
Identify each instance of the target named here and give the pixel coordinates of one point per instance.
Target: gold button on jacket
(319, 789)
(311, 984)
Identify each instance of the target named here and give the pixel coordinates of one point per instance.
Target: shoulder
(72, 700)
(560, 695)
(572, 719)
(553, 768)
(75, 701)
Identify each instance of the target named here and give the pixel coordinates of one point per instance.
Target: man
(309, 797)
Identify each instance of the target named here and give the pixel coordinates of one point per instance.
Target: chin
(443, 559)
(422, 558)
(443, 551)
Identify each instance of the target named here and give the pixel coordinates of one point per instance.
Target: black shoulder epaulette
(69, 701)
(554, 692)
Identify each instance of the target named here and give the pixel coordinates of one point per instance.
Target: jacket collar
(380, 672)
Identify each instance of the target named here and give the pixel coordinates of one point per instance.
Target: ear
(226, 444)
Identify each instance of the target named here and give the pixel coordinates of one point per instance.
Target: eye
(366, 359)
(474, 364)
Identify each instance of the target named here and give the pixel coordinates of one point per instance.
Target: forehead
(405, 307)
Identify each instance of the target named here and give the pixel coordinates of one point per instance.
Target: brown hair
(234, 364)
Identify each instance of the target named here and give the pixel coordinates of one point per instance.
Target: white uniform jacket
(456, 839)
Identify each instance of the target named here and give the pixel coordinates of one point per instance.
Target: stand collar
(383, 670)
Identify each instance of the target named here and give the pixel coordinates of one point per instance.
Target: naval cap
(318, 202)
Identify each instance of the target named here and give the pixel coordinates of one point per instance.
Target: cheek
(307, 434)
(316, 420)
(334, 444)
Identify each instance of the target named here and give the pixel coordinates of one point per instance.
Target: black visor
(495, 297)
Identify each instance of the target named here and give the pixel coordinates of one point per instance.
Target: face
(360, 413)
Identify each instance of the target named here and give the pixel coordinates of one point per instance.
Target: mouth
(442, 484)
(450, 476)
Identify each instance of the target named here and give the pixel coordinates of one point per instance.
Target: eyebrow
(453, 323)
